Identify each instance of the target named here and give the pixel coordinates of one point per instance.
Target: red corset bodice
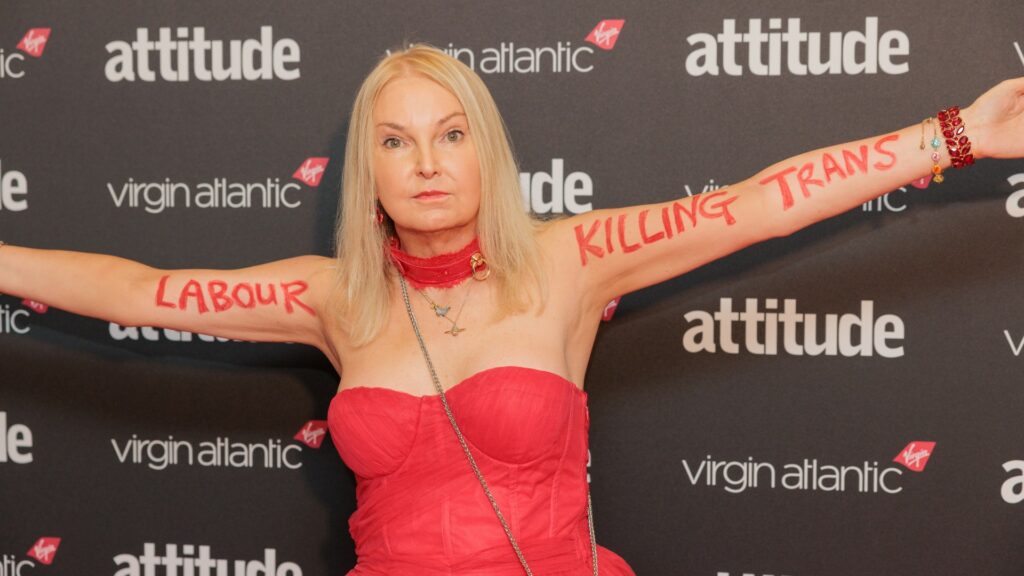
(421, 509)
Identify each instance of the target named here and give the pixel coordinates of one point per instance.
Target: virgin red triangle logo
(311, 171)
(37, 307)
(606, 34)
(915, 456)
(44, 550)
(34, 42)
(312, 433)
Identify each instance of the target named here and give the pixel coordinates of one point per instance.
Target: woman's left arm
(617, 251)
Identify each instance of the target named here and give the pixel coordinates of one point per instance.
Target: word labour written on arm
(630, 231)
(832, 165)
(220, 296)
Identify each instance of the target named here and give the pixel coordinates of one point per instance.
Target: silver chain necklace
(469, 455)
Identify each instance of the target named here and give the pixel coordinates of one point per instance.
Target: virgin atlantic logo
(511, 57)
(311, 171)
(37, 307)
(312, 433)
(158, 196)
(606, 34)
(44, 550)
(915, 456)
(610, 308)
(32, 44)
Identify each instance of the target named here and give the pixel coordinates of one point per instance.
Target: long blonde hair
(507, 232)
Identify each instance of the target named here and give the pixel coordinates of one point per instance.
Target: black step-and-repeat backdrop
(846, 401)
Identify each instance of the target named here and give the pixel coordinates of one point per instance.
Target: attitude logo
(737, 476)
(847, 335)
(1013, 489)
(15, 442)
(560, 58)
(184, 54)
(312, 433)
(555, 192)
(851, 53)
(311, 171)
(189, 559)
(1015, 202)
(150, 334)
(13, 190)
(271, 193)
(32, 44)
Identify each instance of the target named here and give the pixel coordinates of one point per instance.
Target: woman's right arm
(281, 301)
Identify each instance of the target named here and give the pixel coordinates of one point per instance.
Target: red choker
(441, 271)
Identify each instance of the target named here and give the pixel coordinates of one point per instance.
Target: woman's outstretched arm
(278, 301)
(617, 251)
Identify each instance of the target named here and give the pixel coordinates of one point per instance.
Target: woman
(444, 294)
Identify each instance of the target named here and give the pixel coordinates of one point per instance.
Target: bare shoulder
(562, 255)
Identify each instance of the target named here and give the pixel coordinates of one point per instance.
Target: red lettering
(643, 229)
(584, 242)
(852, 160)
(627, 248)
(723, 207)
(804, 178)
(236, 295)
(272, 299)
(292, 296)
(678, 209)
(780, 178)
(608, 235)
(195, 290)
(831, 166)
(217, 290)
(666, 222)
(160, 302)
(878, 148)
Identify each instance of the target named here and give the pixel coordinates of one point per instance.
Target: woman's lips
(428, 194)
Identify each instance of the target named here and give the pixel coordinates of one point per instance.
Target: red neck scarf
(441, 271)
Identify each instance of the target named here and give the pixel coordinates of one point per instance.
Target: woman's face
(424, 160)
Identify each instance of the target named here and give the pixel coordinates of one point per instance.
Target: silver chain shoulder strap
(469, 455)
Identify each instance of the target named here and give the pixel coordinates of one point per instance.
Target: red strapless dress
(421, 510)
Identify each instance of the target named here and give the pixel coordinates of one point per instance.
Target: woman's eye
(392, 142)
(454, 135)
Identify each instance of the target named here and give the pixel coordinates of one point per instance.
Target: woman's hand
(995, 121)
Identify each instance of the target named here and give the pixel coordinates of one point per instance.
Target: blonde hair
(507, 232)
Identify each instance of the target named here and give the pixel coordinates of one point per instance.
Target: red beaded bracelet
(957, 143)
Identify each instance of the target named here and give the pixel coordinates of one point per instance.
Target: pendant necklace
(442, 311)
